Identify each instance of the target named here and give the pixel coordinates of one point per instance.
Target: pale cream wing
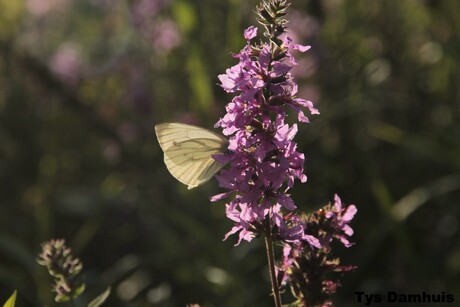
(191, 161)
(170, 133)
(188, 152)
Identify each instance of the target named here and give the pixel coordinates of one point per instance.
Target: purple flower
(250, 33)
(338, 219)
(292, 230)
(242, 225)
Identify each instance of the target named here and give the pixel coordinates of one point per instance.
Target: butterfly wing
(188, 152)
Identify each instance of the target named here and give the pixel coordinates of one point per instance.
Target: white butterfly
(188, 152)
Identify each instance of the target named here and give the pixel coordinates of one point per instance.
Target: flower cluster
(64, 268)
(264, 161)
(308, 271)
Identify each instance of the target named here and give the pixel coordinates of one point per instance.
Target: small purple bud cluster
(64, 268)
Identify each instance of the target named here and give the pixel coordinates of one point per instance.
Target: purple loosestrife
(264, 164)
(264, 161)
(310, 272)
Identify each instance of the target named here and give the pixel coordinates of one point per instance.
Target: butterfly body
(188, 152)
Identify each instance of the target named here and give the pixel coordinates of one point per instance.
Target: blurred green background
(82, 83)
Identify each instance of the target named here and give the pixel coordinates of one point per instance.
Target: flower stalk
(272, 270)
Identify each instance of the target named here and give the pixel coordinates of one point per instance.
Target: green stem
(271, 267)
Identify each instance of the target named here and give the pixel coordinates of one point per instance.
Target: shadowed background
(82, 83)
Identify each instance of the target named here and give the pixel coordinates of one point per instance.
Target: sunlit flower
(264, 161)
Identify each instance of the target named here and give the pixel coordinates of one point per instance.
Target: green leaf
(79, 290)
(11, 301)
(62, 298)
(98, 301)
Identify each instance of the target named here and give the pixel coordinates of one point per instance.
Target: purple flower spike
(263, 158)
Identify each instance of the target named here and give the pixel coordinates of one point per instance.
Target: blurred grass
(82, 85)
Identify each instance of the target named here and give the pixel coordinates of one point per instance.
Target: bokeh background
(82, 83)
